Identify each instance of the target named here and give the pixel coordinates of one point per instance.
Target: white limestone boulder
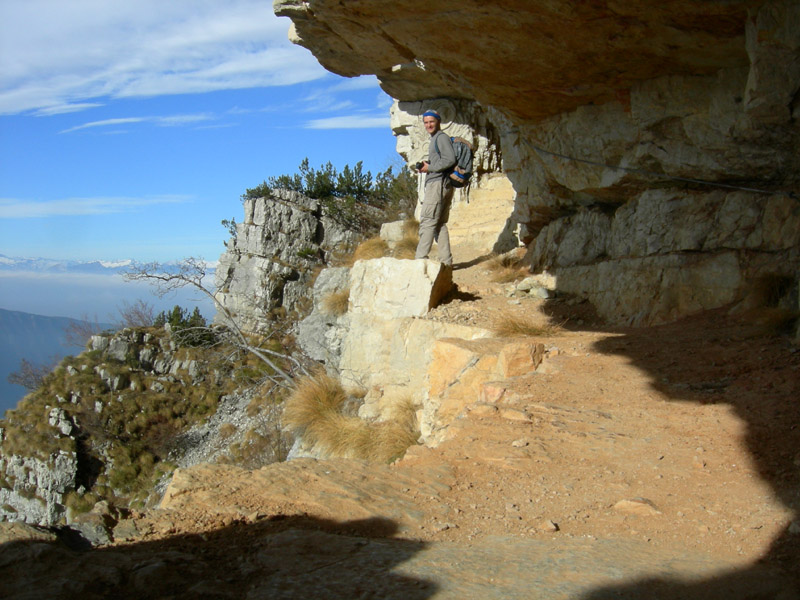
(391, 288)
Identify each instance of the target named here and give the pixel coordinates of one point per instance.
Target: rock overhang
(531, 60)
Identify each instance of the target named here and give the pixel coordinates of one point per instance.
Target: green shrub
(342, 192)
(308, 253)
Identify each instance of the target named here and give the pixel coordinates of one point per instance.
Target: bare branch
(191, 272)
(30, 375)
(138, 314)
(78, 332)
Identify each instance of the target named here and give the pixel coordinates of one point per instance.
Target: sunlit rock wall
(647, 155)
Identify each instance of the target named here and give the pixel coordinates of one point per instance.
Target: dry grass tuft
(336, 303)
(410, 228)
(226, 430)
(770, 305)
(314, 411)
(406, 248)
(313, 399)
(773, 320)
(358, 393)
(372, 248)
(340, 435)
(377, 247)
(401, 432)
(523, 326)
(510, 260)
(506, 268)
(508, 275)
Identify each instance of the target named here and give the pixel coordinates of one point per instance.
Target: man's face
(431, 124)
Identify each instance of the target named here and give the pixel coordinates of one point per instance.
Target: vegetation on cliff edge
(344, 193)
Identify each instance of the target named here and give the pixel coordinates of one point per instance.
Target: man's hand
(424, 168)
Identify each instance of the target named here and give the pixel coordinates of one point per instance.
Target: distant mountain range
(50, 265)
(97, 267)
(58, 287)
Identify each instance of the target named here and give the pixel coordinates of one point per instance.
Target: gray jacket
(441, 156)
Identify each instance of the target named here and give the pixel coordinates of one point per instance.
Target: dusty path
(650, 463)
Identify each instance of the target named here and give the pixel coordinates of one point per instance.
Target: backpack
(462, 171)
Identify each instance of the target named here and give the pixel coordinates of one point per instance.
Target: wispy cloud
(11, 208)
(105, 122)
(66, 108)
(349, 122)
(58, 56)
(327, 98)
(168, 121)
(356, 83)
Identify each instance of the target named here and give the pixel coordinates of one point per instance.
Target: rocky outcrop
(69, 438)
(321, 333)
(34, 488)
(388, 348)
(382, 344)
(603, 121)
(463, 371)
(268, 263)
(673, 253)
(365, 343)
(233, 430)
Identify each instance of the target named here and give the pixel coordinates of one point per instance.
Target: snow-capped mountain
(51, 265)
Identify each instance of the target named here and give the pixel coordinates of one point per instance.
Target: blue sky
(130, 129)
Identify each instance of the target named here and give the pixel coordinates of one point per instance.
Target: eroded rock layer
(267, 263)
(651, 150)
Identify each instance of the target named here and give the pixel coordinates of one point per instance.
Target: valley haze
(79, 289)
(39, 297)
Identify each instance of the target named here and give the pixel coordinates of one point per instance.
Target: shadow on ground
(714, 358)
(473, 262)
(292, 557)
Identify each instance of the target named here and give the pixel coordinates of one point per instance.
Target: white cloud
(66, 108)
(58, 56)
(356, 83)
(168, 121)
(327, 104)
(349, 122)
(24, 209)
(105, 122)
(326, 99)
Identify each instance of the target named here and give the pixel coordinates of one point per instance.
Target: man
(438, 193)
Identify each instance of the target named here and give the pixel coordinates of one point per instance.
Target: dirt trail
(661, 462)
(685, 435)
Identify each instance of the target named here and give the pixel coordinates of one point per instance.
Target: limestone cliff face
(268, 263)
(615, 138)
